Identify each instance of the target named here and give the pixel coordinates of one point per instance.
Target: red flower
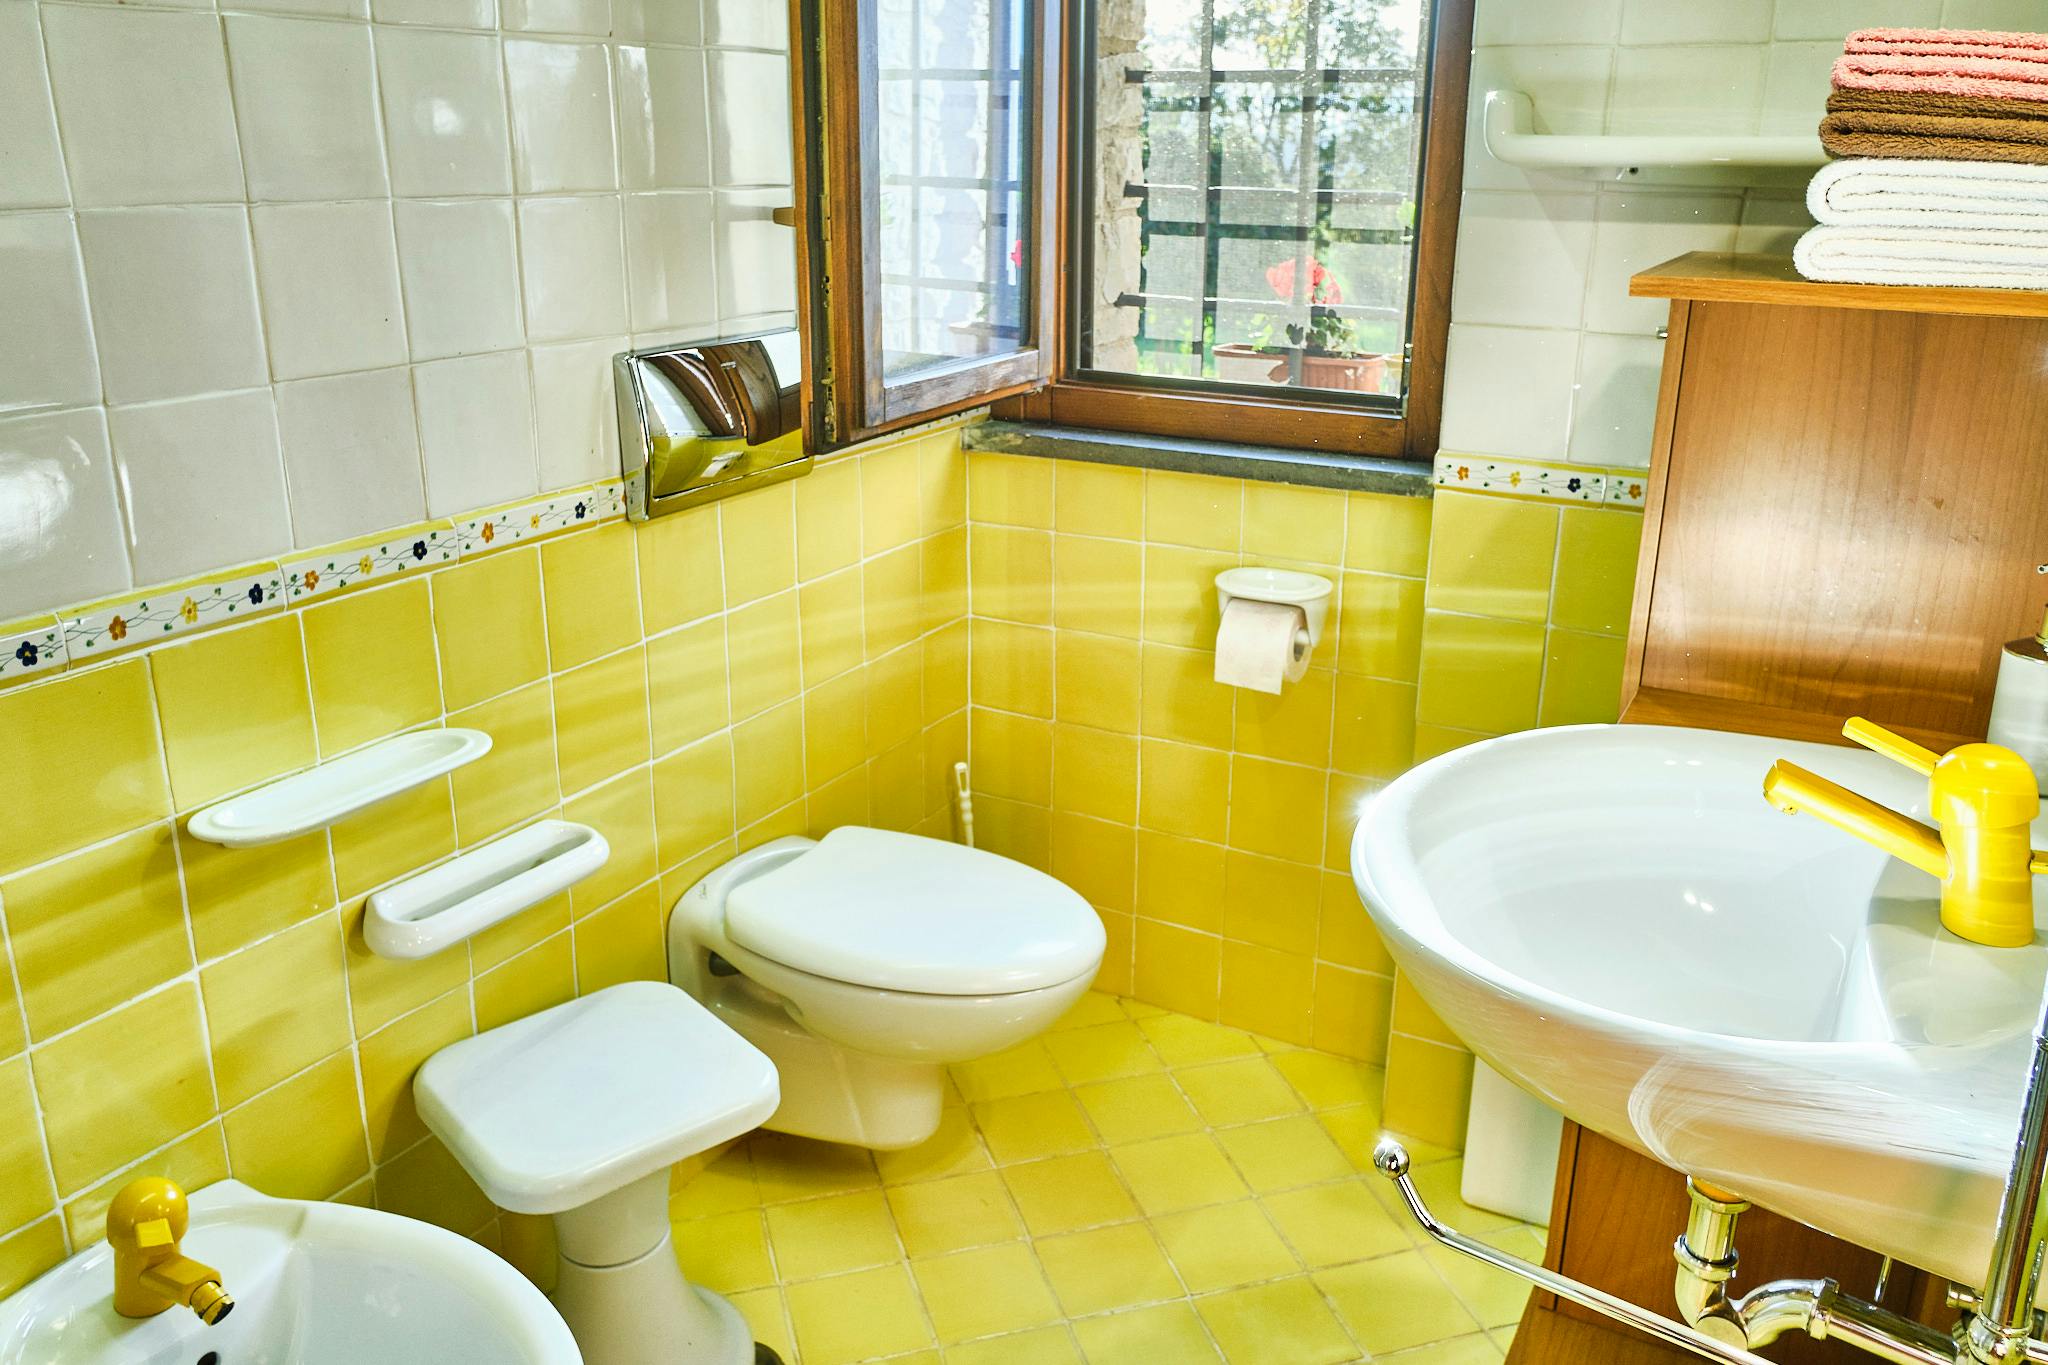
(1322, 285)
(1017, 253)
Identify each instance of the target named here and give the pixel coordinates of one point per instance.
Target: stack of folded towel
(1946, 178)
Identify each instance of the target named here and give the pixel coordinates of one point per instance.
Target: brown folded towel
(1935, 127)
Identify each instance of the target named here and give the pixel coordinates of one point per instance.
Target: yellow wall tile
(1184, 790)
(686, 684)
(517, 778)
(1351, 1014)
(1479, 674)
(1099, 500)
(276, 1008)
(1097, 585)
(381, 989)
(945, 670)
(835, 727)
(942, 565)
(766, 662)
(601, 719)
(693, 798)
(1180, 595)
(1596, 569)
(622, 942)
(1013, 669)
(1347, 801)
(1276, 808)
(1267, 991)
(888, 498)
(1010, 490)
(1095, 772)
(590, 583)
(26, 1254)
(1178, 968)
(1012, 756)
(1582, 679)
(1429, 1091)
(192, 1162)
(12, 1036)
(429, 1184)
(507, 939)
(124, 1084)
(1294, 725)
(392, 1056)
(1181, 699)
(1178, 881)
(97, 928)
(488, 626)
(1414, 1017)
(1193, 509)
(238, 895)
(25, 1189)
(622, 810)
(896, 788)
(303, 1140)
(830, 611)
(90, 740)
(1270, 902)
(393, 837)
(1345, 932)
(1492, 556)
(537, 979)
(1375, 731)
(680, 574)
(370, 658)
(234, 709)
(1093, 681)
(1009, 573)
(1431, 740)
(892, 602)
(827, 533)
(1380, 626)
(896, 711)
(768, 762)
(1095, 857)
(758, 534)
(1387, 535)
(1285, 522)
(942, 473)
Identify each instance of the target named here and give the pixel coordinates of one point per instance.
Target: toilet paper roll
(1261, 645)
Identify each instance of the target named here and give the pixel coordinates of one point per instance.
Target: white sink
(1615, 918)
(314, 1284)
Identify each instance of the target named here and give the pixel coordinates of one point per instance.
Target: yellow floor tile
(797, 1168)
(1283, 1154)
(1028, 1127)
(1329, 1082)
(982, 1292)
(1224, 1246)
(723, 1186)
(768, 1318)
(1148, 1336)
(1101, 1053)
(1175, 1173)
(726, 1252)
(955, 1149)
(1068, 1193)
(1474, 1350)
(1040, 1346)
(1440, 1184)
(1238, 1092)
(1329, 1225)
(1096, 1007)
(937, 1216)
(857, 1317)
(1119, 1266)
(1395, 1302)
(1023, 1070)
(1282, 1323)
(1136, 1108)
(1182, 1041)
(828, 1236)
(1493, 1296)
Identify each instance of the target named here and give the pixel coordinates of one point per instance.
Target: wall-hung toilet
(865, 962)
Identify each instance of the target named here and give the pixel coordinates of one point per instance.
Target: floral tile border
(1536, 479)
(29, 647)
(338, 568)
(129, 622)
(610, 499)
(529, 520)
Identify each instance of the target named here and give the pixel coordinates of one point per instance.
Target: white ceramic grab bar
(1511, 136)
(447, 904)
(334, 790)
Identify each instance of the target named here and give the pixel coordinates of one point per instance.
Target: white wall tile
(2001, 16)
(328, 275)
(142, 103)
(333, 9)
(592, 17)
(1797, 79)
(306, 103)
(46, 351)
(203, 482)
(572, 265)
(744, 23)
(1568, 87)
(31, 161)
(664, 139)
(1521, 258)
(1498, 22)
(575, 417)
(460, 270)
(481, 14)
(658, 21)
(750, 133)
(351, 455)
(60, 524)
(1833, 20)
(756, 255)
(1508, 391)
(1639, 229)
(670, 260)
(476, 431)
(173, 294)
(1772, 222)
(1687, 89)
(561, 116)
(444, 112)
(1616, 409)
(1689, 21)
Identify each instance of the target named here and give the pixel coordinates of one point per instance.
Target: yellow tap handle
(1897, 748)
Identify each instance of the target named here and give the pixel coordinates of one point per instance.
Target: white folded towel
(1967, 257)
(1888, 192)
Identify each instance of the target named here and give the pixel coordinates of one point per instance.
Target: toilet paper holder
(1288, 587)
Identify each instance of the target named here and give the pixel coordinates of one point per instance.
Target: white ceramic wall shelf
(1714, 159)
(466, 895)
(331, 791)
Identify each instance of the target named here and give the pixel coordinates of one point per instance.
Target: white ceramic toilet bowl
(864, 963)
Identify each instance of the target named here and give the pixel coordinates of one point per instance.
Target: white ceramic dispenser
(1271, 622)
(2019, 703)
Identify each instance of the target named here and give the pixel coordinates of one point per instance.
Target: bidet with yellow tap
(1982, 796)
(144, 1225)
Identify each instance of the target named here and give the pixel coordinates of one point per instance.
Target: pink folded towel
(1948, 42)
(1975, 77)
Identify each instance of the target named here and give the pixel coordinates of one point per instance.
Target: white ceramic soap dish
(445, 905)
(334, 790)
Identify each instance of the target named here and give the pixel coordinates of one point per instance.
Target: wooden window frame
(1290, 418)
(839, 259)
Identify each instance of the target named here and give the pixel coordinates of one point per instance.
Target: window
(1252, 233)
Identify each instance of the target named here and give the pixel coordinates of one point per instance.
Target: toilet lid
(902, 912)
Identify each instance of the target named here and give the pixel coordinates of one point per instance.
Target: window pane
(1253, 173)
(954, 91)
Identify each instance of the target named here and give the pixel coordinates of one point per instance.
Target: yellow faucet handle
(1897, 748)
(154, 1232)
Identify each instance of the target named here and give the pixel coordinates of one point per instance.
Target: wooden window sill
(1185, 455)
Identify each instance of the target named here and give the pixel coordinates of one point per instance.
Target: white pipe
(964, 800)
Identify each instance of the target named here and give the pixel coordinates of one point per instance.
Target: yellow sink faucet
(144, 1225)
(1982, 796)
